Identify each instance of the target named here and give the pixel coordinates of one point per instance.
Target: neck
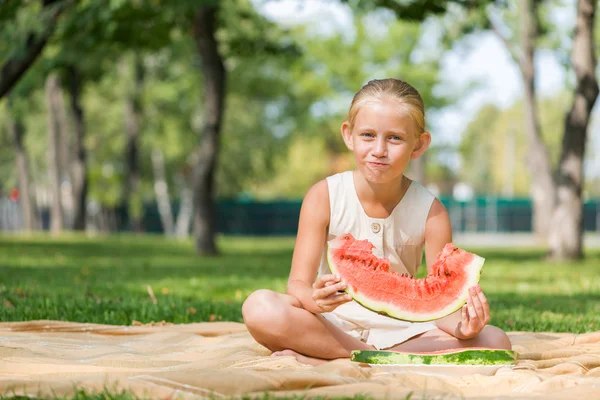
(388, 194)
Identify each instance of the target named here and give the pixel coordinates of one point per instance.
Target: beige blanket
(220, 359)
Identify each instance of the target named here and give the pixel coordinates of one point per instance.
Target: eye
(396, 138)
(367, 135)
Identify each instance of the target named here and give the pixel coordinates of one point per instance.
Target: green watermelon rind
(473, 269)
(463, 357)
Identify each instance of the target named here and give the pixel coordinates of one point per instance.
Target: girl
(385, 129)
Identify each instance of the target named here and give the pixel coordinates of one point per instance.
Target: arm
(438, 232)
(465, 323)
(312, 233)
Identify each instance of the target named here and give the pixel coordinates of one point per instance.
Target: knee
(261, 309)
(495, 338)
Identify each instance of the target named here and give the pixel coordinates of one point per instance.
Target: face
(383, 140)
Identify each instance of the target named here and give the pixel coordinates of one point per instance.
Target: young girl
(385, 129)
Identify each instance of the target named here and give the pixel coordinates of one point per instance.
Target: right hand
(325, 293)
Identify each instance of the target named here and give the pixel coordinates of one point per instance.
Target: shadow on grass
(155, 257)
(133, 246)
(105, 280)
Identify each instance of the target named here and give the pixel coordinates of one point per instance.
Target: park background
(154, 154)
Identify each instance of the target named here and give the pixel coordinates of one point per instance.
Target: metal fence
(484, 214)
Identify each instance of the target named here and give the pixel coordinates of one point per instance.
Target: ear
(347, 135)
(423, 143)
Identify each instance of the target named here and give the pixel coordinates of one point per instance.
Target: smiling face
(383, 139)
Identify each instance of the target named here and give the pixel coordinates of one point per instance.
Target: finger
(473, 320)
(464, 315)
(329, 290)
(485, 305)
(477, 304)
(336, 299)
(323, 279)
(333, 282)
(464, 321)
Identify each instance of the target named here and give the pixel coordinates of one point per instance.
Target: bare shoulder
(316, 203)
(437, 211)
(438, 220)
(312, 232)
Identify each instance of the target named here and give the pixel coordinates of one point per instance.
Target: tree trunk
(56, 210)
(133, 118)
(204, 27)
(538, 160)
(17, 132)
(186, 210)
(161, 189)
(79, 181)
(14, 68)
(566, 235)
(63, 154)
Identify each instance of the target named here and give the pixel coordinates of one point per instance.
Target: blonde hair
(380, 89)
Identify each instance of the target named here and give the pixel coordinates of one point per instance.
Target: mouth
(376, 164)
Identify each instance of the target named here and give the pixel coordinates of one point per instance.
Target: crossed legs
(278, 322)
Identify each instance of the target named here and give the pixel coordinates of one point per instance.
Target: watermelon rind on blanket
(472, 356)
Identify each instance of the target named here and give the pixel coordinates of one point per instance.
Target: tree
(554, 194)
(213, 70)
(520, 41)
(79, 181)
(133, 128)
(54, 106)
(566, 235)
(34, 40)
(538, 159)
(17, 131)
(494, 146)
(91, 33)
(206, 21)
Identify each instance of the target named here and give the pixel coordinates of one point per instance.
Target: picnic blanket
(220, 359)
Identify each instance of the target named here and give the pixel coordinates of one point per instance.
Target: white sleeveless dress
(399, 238)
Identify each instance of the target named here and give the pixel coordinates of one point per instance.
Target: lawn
(106, 280)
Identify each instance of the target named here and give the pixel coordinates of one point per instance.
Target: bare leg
(278, 322)
(434, 340)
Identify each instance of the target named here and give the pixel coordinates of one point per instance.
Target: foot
(300, 357)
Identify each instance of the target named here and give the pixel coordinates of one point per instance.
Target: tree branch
(511, 50)
(14, 68)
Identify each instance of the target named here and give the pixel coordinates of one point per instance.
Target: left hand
(475, 314)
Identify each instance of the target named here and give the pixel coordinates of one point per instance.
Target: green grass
(105, 280)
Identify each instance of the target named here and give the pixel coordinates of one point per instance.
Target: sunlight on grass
(106, 280)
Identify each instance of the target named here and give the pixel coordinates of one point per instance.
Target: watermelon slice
(371, 283)
(468, 356)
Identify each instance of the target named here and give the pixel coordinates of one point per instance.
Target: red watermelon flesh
(371, 283)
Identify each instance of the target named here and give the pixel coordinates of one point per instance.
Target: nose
(380, 148)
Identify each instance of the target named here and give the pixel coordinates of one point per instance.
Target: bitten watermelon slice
(371, 283)
(468, 356)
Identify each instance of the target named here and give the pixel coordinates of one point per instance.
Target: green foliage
(330, 71)
(294, 174)
(105, 280)
(20, 22)
(417, 10)
(98, 38)
(494, 146)
(283, 89)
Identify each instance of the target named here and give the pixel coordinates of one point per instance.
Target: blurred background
(201, 118)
